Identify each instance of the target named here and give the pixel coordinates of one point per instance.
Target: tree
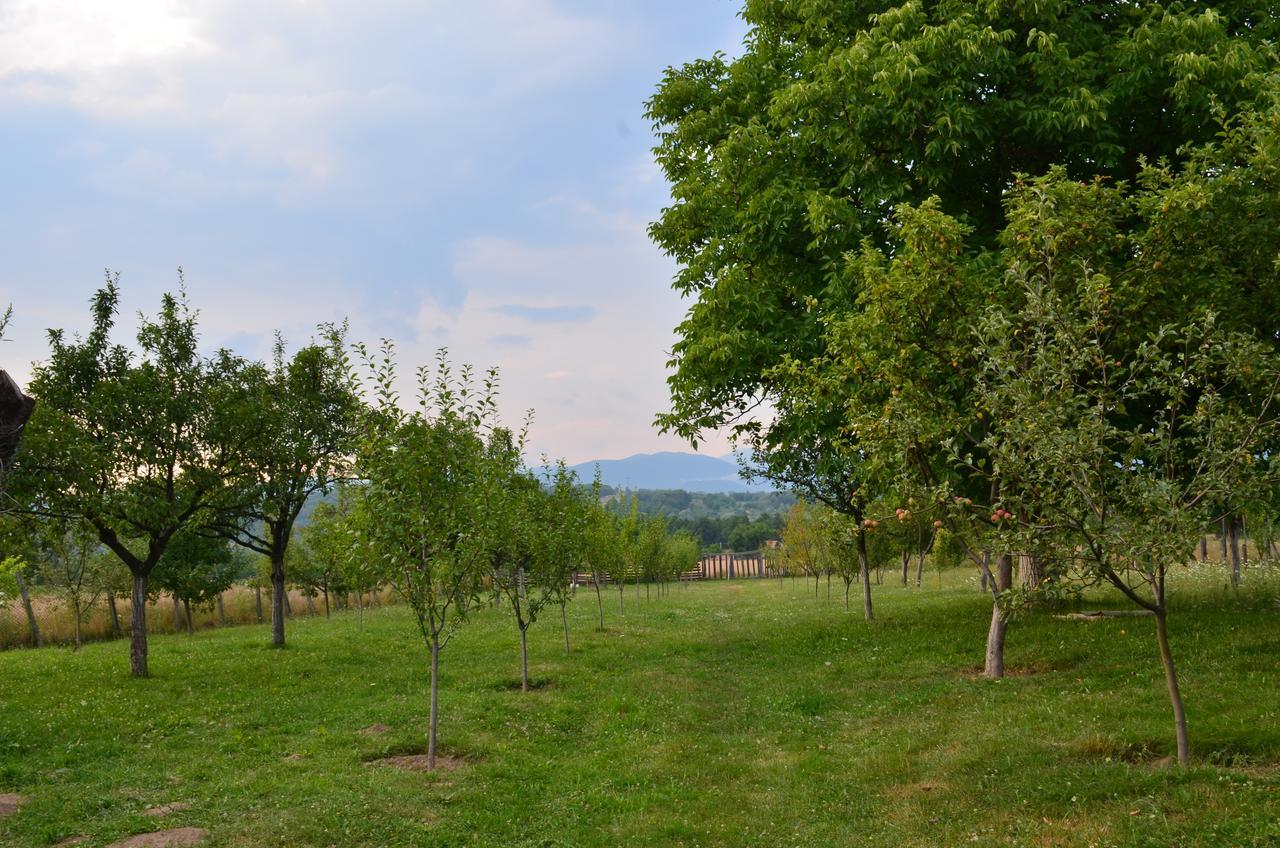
(525, 575)
(71, 565)
(565, 543)
(138, 446)
(196, 568)
(298, 443)
(331, 551)
(788, 157)
(602, 544)
(428, 482)
(802, 543)
(1113, 450)
(793, 157)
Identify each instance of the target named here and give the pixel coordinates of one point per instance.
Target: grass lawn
(743, 714)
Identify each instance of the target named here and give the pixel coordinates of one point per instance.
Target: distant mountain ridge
(693, 472)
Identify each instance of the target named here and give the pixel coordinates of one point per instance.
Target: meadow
(723, 714)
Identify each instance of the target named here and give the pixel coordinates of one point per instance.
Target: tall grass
(56, 621)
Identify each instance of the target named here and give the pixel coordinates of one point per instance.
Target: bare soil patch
(536, 684)
(172, 838)
(1011, 670)
(418, 762)
(166, 809)
(69, 841)
(374, 730)
(10, 802)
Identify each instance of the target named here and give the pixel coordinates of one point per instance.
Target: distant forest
(730, 521)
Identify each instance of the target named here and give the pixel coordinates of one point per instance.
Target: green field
(744, 714)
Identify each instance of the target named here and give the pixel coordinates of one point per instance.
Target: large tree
(138, 445)
(789, 156)
(787, 165)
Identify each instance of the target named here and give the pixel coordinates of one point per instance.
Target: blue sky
(472, 175)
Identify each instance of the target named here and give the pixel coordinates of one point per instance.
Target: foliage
(196, 568)
(297, 443)
(432, 486)
(138, 446)
(1113, 460)
(787, 158)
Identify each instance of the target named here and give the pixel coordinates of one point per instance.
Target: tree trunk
(621, 606)
(1204, 548)
(599, 601)
(222, 611)
(257, 602)
(435, 701)
(34, 625)
(847, 584)
(1171, 682)
(115, 614)
(906, 567)
(1222, 539)
(920, 568)
(311, 605)
(993, 667)
(177, 614)
(138, 627)
(564, 620)
(1030, 574)
(186, 606)
(360, 607)
(524, 658)
(75, 610)
(1233, 542)
(326, 602)
(865, 570)
(828, 586)
(279, 600)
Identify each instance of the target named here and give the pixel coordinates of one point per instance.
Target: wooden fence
(751, 564)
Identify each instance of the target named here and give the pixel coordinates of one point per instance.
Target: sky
(474, 175)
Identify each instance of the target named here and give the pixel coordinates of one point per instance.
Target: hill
(691, 472)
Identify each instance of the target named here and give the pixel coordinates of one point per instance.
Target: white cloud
(287, 86)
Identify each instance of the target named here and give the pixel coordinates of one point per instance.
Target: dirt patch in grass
(374, 730)
(172, 838)
(166, 809)
(1147, 752)
(916, 790)
(536, 684)
(10, 802)
(1030, 669)
(69, 841)
(418, 762)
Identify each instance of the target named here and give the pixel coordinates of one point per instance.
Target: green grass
(722, 715)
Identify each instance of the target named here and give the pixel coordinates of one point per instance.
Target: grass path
(721, 715)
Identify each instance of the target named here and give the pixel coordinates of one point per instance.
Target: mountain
(670, 470)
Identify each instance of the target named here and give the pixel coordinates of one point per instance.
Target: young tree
(566, 519)
(196, 568)
(72, 567)
(138, 446)
(428, 481)
(802, 543)
(517, 545)
(1113, 453)
(602, 545)
(329, 545)
(298, 444)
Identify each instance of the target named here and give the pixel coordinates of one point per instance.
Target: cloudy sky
(473, 175)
